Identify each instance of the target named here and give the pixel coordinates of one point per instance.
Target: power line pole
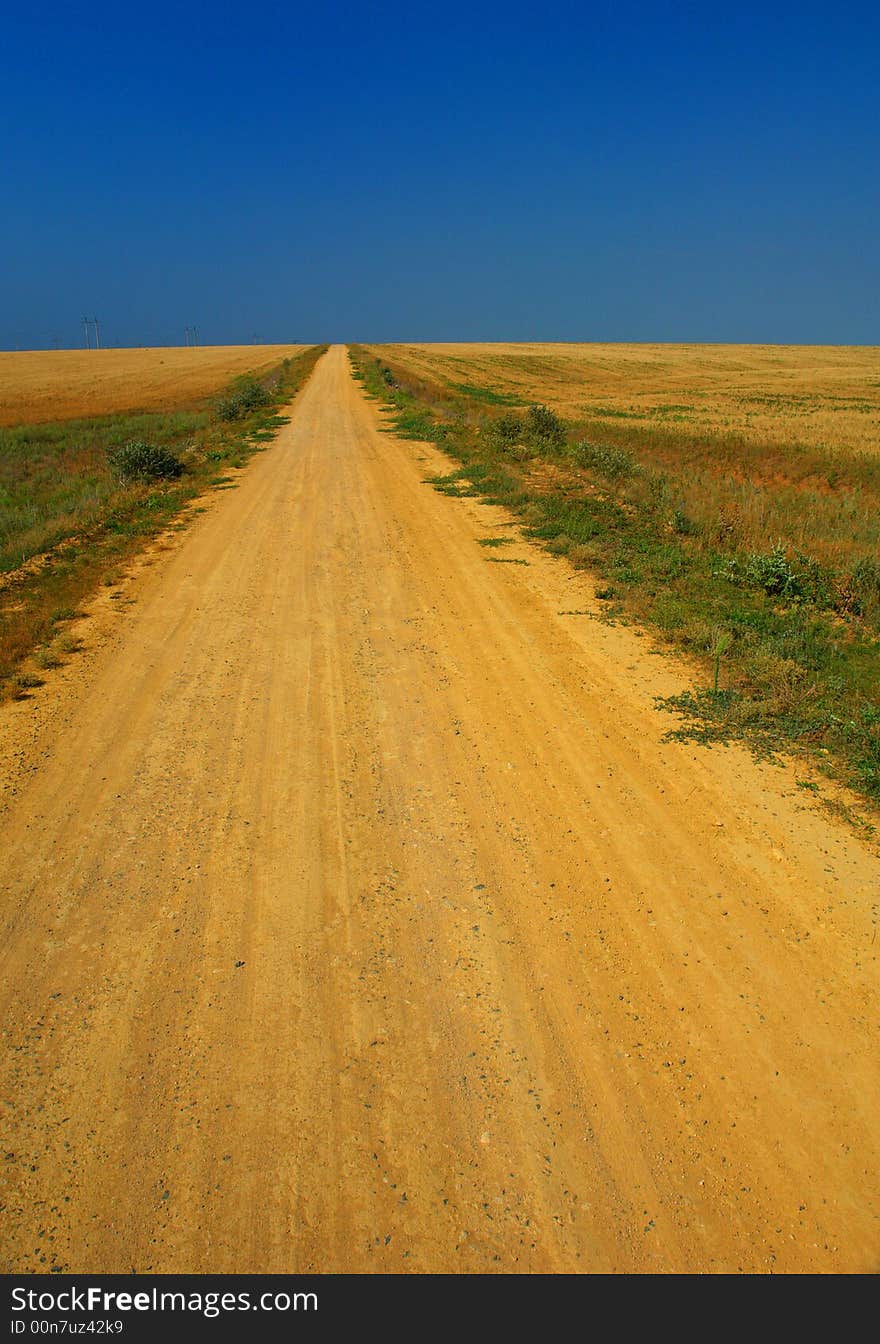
(97, 334)
(88, 333)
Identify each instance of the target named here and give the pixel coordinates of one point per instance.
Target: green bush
(543, 428)
(613, 463)
(773, 573)
(246, 396)
(801, 579)
(137, 461)
(508, 429)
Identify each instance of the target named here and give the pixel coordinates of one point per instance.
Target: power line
(87, 328)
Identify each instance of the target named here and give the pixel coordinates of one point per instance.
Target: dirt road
(357, 918)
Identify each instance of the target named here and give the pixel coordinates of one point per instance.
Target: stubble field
(818, 396)
(40, 385)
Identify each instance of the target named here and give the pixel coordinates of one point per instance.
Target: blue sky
(419, 172)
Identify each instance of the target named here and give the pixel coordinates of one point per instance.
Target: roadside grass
(72, 511)
(56, 479)
(764, 565)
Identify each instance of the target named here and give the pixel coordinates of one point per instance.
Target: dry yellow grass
(38, 385)
(823, 396)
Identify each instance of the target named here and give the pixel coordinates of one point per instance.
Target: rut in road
(357, 918)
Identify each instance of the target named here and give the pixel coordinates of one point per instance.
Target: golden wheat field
(38, 385)
(821, 396)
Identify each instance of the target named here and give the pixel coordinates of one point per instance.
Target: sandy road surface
(355, 917)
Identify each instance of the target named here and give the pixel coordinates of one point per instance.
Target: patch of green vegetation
(456, 483)
(487, 395)
(544, 430)
(138, 461)
(613, 463)
(843, 812)
(247, 394)
(614, 413)
(496, 541)
(47, 658)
